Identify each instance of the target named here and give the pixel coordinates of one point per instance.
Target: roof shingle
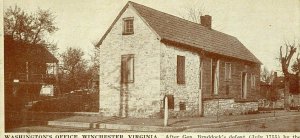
(18, 51)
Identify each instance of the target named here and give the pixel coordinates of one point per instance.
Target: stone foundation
(182, 114)
(228, 107)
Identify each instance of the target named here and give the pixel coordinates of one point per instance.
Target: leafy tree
(32, 28)
(75, 74)
(95, 61)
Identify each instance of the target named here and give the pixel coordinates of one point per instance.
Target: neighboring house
(27, 73)
(147, 55)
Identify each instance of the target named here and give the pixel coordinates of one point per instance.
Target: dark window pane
(128, 26)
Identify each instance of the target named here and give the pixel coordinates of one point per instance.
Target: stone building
(147, 55)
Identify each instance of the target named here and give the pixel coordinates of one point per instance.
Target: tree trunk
(286, 94)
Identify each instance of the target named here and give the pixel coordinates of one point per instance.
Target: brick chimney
(206, 21)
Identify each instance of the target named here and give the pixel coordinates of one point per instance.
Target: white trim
(200, 87)
(217, 78)
(246, 86)
(211, 75)
(244, 89)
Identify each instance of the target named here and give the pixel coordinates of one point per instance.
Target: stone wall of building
(228, 107)
(187, 93)
(142, 97)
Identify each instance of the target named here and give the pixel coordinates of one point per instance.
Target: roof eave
(195, 49)
(111, 26)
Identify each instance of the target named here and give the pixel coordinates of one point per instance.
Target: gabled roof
(17, 51)
(175, 29)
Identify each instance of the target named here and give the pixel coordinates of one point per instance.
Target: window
(253, 79)
(170, 101)
(227, 71)
(127, 69)
(128, 26)
(180, 69)
(227, 89)
(182, 106)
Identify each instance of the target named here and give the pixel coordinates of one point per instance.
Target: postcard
(150, 69)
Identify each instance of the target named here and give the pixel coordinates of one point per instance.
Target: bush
(69, 103)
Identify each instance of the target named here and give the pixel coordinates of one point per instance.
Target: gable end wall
(140, 98)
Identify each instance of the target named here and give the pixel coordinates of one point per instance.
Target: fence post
(166, 114)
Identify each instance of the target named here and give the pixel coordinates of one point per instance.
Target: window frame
(127, 31)
(253, 80)
(129, 79)
(230, 71)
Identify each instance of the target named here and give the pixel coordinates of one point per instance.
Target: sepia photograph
(124, 66)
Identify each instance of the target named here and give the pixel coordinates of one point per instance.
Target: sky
(261, 25)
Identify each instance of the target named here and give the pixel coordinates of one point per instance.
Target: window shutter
(127, 68)
(180, 69)
(124, 74)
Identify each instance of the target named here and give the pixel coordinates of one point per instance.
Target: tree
(272, 93)
(193, 12)
(31, 28)
(75, 74)
(296, 64)
(95, 61)
(285, 60)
